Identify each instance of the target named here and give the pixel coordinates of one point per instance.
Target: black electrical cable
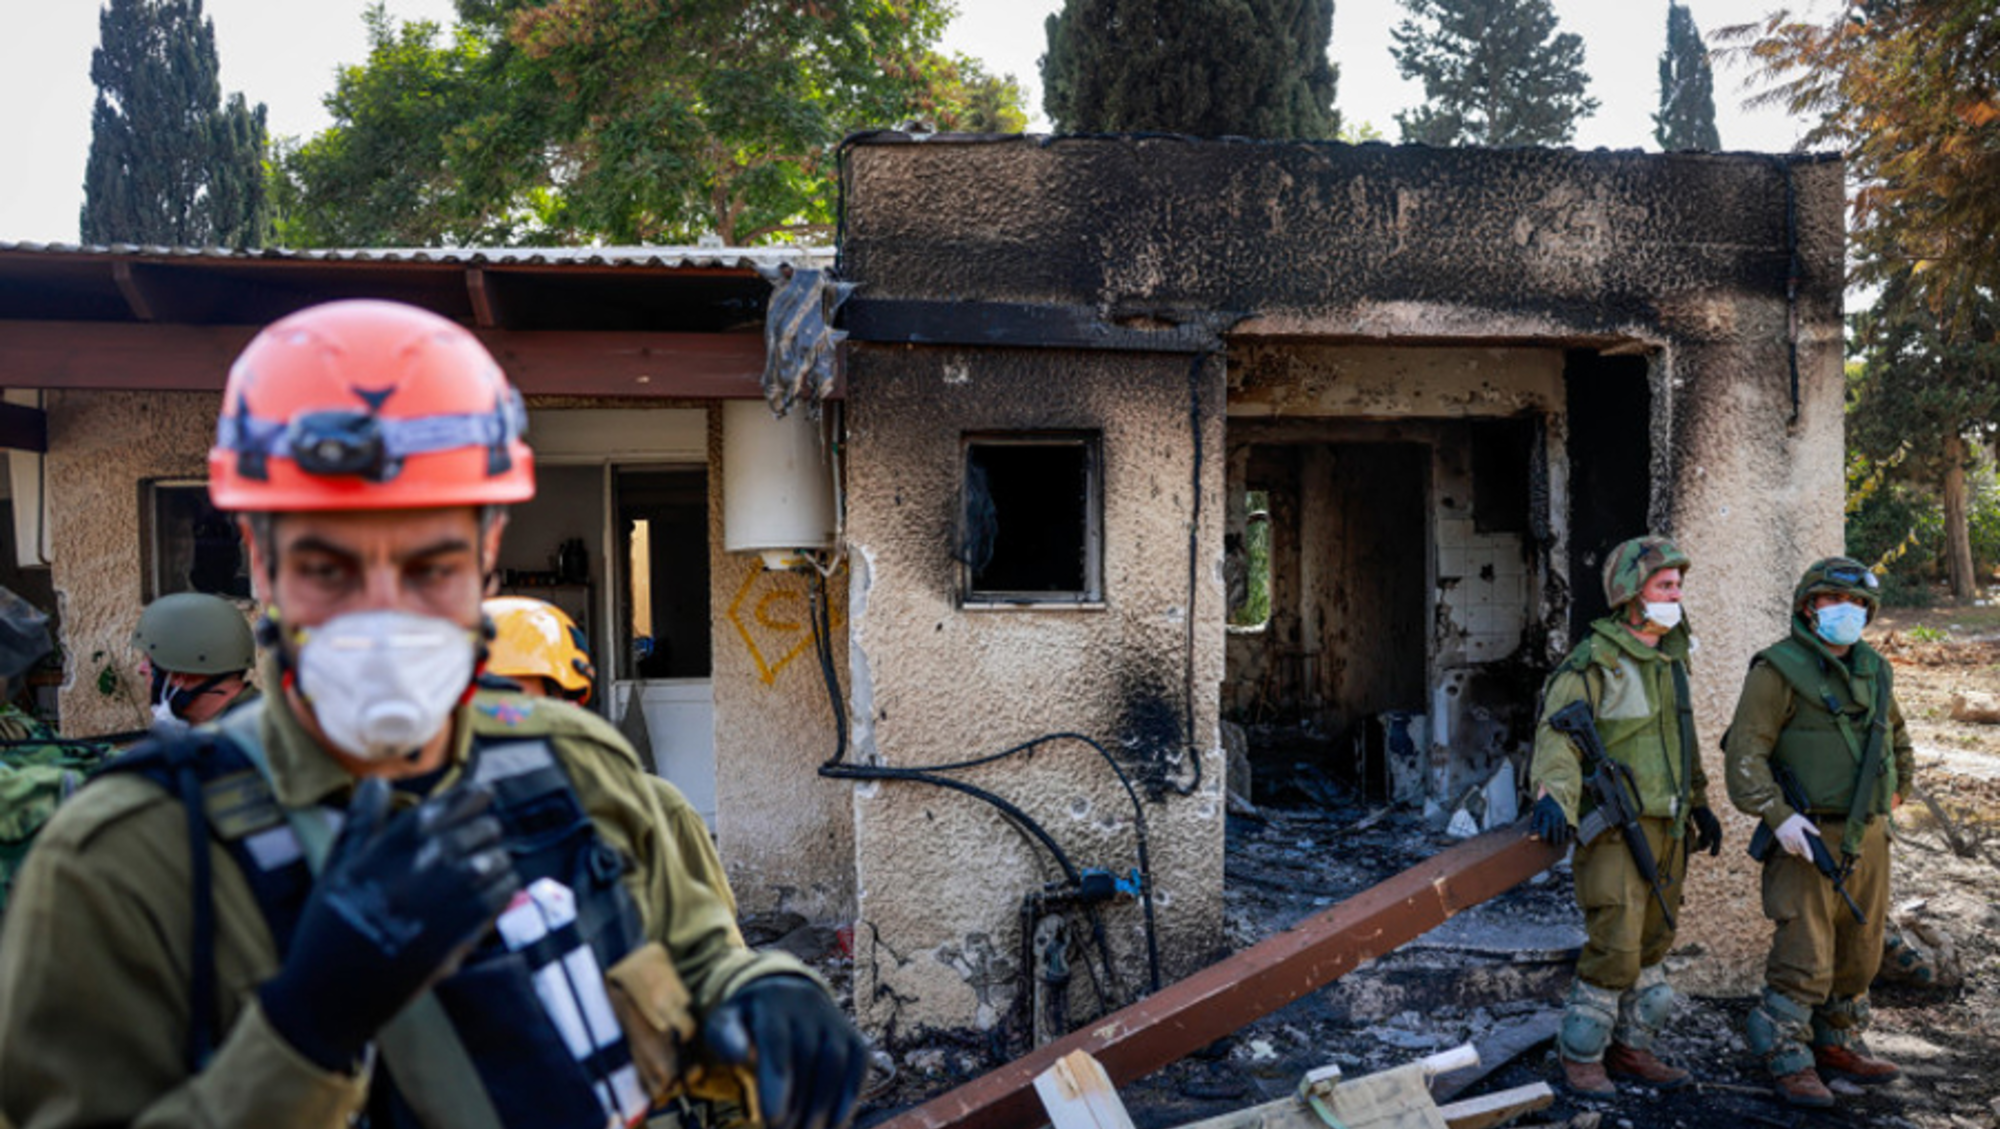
(1791, 284)
(838, 768)
(1194, 570)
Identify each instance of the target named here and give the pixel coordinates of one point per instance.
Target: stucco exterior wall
(941, 876)
(1683, 258)
(786, 834)
(102, 447)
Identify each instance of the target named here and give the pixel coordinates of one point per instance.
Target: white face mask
(381, 684)
(1664, 616)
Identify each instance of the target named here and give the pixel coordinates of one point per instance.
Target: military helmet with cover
(1842, 575)
(1631, 563)
(195, 633)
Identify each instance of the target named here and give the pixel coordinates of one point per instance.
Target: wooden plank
(1390, 1099)
(480, 289)
(129, 287)
(152, 357)
(1077, 1094)
(1498, 1109)
(1220, 999)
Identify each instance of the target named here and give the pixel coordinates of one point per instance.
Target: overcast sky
(284, 53)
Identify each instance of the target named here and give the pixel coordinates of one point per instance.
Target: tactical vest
(527, 1073)
(1833, 710)
(1661, 760)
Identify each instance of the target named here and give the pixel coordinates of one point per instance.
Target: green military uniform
(94, 1009)
(689, 833)
(1821, 960)
(1633, 693)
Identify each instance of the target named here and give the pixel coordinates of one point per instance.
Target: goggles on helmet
(361, 443)
(1852, 576)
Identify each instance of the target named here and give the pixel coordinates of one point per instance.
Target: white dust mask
(381, 684)
(1664, 616)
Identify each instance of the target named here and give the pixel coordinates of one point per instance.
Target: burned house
(1145, 435)
(1137, 436)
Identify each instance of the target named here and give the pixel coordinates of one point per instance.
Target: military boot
(1642, 1065)
(1586, 1078)
(1642, 1010)
(1837, 1049)
(1590, 1013)
(1803, 1088)
(1855, 1064)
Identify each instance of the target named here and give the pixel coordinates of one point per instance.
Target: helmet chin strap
(179, 698)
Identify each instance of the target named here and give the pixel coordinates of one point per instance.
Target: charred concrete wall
(942, 876)
(1680, 259)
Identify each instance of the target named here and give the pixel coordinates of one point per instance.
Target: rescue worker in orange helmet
(538, 646)
(288, 916)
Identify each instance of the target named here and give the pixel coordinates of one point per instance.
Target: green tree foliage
(1687, 88)
(1249, 68)
(1495, 72)
(1910, 90)
(170, 162)
(1926, 397)
(626, 121)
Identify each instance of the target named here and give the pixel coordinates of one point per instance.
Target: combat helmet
(1631, 563)
(195, 633)
(1843, 575)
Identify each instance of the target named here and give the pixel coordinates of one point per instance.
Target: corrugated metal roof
(710, 258)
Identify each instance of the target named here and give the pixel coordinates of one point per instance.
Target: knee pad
(1644, 1009)
(1840, 1021)
(1589, 1015)
(1777, 1031)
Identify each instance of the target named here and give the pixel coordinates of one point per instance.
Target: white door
(680, 728)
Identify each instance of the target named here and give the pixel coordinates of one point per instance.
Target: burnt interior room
(1333, 628)
(1399, 589)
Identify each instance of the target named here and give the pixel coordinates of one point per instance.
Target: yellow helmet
(535, 639)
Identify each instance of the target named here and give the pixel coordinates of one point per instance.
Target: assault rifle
(1764, 841)
(1611, 785)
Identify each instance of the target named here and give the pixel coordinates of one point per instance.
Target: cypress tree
(1687, 88)
(169, 163)
(1250, 68)
(1495, 72)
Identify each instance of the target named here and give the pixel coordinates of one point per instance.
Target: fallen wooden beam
(1170, 1024)
(1498, 1109)
(1396, 1098)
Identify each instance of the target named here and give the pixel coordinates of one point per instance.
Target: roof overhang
(647, 322)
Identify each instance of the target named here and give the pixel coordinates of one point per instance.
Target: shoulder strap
(1870, 770)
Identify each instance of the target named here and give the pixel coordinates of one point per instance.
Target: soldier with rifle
(1615, 752)
(1819, 753)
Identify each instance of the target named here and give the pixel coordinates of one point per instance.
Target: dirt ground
(1496, 974)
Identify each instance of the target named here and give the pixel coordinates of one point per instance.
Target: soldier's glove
(1550, 825)
(398, 902)
(1707, 831)
(1792, 835)
(808, 1059)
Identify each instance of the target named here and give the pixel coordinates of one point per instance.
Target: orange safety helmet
(534, 639)
(368, 405)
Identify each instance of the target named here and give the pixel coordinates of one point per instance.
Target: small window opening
(193, 547)
(1255, 610)
(1029, 530)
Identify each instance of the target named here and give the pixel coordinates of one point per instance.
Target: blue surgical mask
(1840, 624)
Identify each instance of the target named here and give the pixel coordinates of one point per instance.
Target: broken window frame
(157, 525)
(1091, 595)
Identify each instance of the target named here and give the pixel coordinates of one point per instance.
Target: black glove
(1550, 825)
(809, 1059)
(1707, 831)
(398, 901)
